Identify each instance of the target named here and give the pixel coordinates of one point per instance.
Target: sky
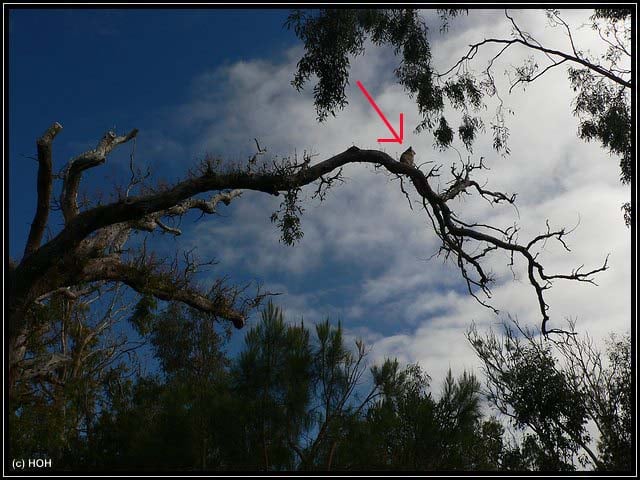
(197, 82)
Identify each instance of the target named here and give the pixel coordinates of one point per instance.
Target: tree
(398, 431)
(183, 416)
(90, 247)
(282, 404)
(603, 105)
(298, 394)
(52, 412)
(190, 346)
(295, 401)
(333, 36)
(605, 382)
(554, 389)
(273, 379)
(406, 428)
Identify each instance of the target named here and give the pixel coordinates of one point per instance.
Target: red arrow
(396, 138)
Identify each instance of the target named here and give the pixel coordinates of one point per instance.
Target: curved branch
(473, 49)
(117, 217)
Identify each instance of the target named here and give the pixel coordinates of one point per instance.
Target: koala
(407, 157)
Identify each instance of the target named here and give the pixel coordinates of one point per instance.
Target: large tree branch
(103, 225)
(43, 366)
(152, 221)
(44, 189)
(565, 56)
(137, 208)
(72, 173)
(163, 286)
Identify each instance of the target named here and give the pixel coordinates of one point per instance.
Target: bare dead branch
(68, 292)
(44, 188)
(326, 182)
(137, 176)
(254, 158)
(72, 173)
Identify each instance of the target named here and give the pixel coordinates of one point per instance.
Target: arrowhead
(396, 138)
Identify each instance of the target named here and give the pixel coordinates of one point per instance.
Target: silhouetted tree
(554, 389)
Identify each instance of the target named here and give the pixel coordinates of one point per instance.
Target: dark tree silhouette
(555, 388)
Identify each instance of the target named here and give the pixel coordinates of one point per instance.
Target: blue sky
(209, 81)
(91, 69)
